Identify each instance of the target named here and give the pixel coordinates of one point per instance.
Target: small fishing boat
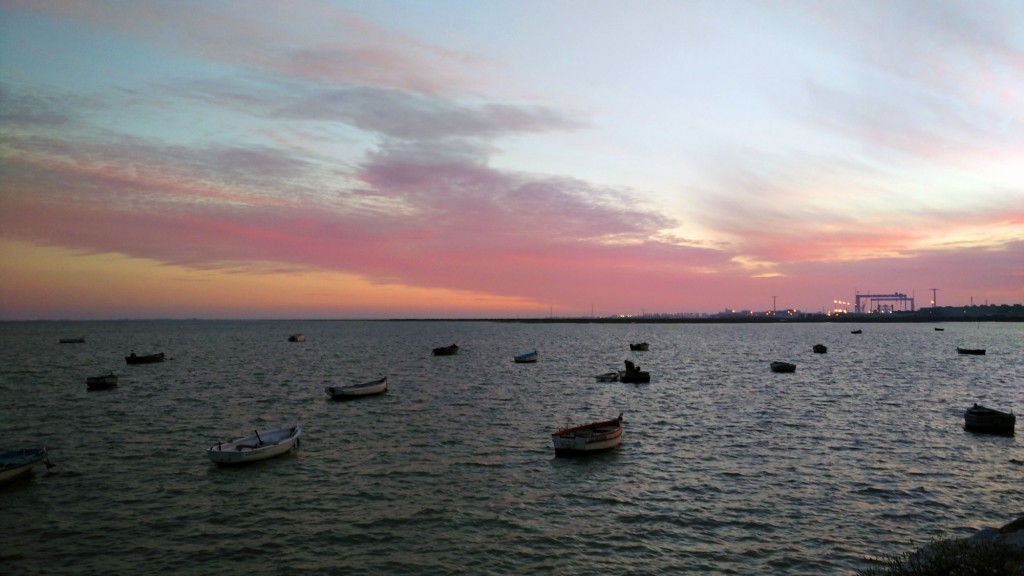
(633, 374)
(147, 359)
(297, 338)
(526, 358)
(446, 350)
(641, 347)
(939, 329)
(588, 438)
(971, 351)
(72, 340)
(783, 367)
(358, 390)
(17, 463)
(256, 447)
(858, 331)
(101, 382)
(989, 421)
(608, 377)
(819, 348)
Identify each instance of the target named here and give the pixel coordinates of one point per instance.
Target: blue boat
(17, 463)
(526, 357)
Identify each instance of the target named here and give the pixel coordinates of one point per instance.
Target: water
(725, 467)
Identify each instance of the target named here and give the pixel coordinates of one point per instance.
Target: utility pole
(934, 303)
(773, 305)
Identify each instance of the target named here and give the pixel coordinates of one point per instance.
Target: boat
(633, 375)
(526, 358)
(783, 367)
(446, 350)
(608, 377)
(101, 382)
(72, 340)
(939, 329)
(256, 447)
(588, 438)
(989, 421)
(819, 348)
(17, 463)
(147, 359)
(297, 338)
(641, 347)
(856, 331)
(358, 390)
(971, 351)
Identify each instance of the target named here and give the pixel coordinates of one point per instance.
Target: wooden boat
(358, 390)
(446, 350)
(989, 421)
(783, 367)
(588, 438)
(17, 463)
(526, 358)
(297, 338)
(608, 377)
(147, 359)
(819, 348)
(971, 351)
(856, 331)
(101, 382)
(72, 340)
(259, 446)
(641, 347)
(633, 375)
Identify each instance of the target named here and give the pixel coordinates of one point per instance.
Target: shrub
(952, 557)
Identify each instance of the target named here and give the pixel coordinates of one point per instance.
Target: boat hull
(148, 359)
(608, 377)
(783, 367)
(259, 446)
(101, 382)
(988, 421)
(18, 463)
(971, 351)
(358, 391)
(446, 350)
(588, 439)
(641, 347)
(637, 377)
(528, 358)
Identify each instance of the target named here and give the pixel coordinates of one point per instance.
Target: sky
(521, 158)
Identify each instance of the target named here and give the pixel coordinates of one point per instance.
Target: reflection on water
(725, 466)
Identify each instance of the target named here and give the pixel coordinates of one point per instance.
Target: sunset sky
(381, 159)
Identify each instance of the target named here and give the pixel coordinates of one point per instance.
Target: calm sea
(725, 467)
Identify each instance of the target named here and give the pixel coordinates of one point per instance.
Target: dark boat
(446, 350)
(856, 331)
(783, 367)
(101, 382)
(641, 347)
(72, 340)
(971, 351)
(17, 463)
(939, 329)
(148, 359)
(819, 348)
(297, 338)
(989, 421)
(633, 375)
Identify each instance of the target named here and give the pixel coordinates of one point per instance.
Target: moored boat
(297, 338)
(146, 359)
(17, 463)
(358, 390)
(608, 377)
(641, 347)
(526, 358)
(101, 382)
(858, 331)
(588, 438)
(989, 421)
(819, 348)
(939, 329)
(783, 367)
(446, 350)
(259, 446)
(72, 340)
(970, 351)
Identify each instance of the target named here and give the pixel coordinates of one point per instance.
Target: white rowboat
(358, 390)
(588, 438)
(259, 446)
